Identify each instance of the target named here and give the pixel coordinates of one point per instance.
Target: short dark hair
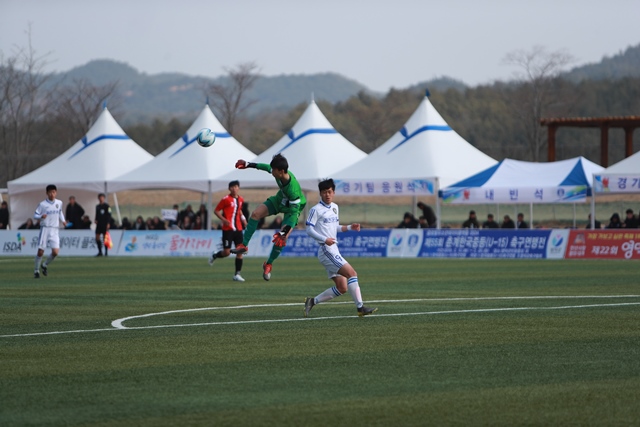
(490, 215)
(326, 184)
(51, 187)
(279, 162)
(629, 211)
(234, 183)
(101, 195)
(472, 212)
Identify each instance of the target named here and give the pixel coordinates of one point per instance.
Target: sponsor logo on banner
(14, 247)
(405, 242)
(557, 244)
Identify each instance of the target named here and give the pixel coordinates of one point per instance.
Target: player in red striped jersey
(229, 210)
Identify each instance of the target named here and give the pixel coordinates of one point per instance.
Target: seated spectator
(4, 215)
(126, 225)
(614, 221)
(490, 222)
(158, 224)
(596, 223)
(188, 211)
(409, 221)
(149, 223)
(508, 222)
(422, 222)
(631, 221)
(28, 225)
(85, 223)
(203, 214)
(472, 221)
(521, 223)
(139, 224)
(186, 223)
(428, 214)
(198, 224)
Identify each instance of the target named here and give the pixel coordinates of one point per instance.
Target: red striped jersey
(231, 208)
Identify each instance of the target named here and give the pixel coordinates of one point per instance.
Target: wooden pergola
(628, 123)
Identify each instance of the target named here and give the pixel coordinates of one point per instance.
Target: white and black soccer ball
(206, 138)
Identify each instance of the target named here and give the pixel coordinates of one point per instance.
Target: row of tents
(425, 157)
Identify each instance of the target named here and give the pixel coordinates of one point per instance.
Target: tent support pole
(574, 215)
(530, 215)
(115, 199)
(210, 204)
(438, 222)
(593, 203)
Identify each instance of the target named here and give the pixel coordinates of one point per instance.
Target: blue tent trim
(576, 176)
(407, 137)
(87, 144)
(303, 134)
(188, 141)
(479, 179)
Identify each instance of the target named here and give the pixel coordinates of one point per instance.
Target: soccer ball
(206, 138)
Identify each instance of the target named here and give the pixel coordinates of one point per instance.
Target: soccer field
(172, 341)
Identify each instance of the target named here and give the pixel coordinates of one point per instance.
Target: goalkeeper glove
(279, 239)
(241, 164)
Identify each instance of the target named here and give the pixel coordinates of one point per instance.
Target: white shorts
(330, 258)
(49, 236)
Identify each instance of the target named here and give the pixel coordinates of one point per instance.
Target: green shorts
(291, 213)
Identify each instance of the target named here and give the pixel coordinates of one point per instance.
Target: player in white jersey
(49, 212)
(323, 225)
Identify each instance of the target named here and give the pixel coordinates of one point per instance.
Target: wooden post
(551, 142)
(604, 145)
(628, 141)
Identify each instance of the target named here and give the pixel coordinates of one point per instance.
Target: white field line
(118, 324)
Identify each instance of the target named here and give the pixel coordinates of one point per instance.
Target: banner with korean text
(475, 195)
(604, 244)
(618, 183)
(386, 187)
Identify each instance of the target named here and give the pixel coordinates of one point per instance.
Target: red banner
(604, 244)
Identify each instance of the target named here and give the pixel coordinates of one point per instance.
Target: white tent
(313, 148)
(621, 177)
(515, 181)
(185, 164)
(84, 170)
(409, 162)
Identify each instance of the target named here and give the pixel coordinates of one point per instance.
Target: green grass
(572, 366)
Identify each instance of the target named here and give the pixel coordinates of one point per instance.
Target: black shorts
(229, 236)
(101, 228)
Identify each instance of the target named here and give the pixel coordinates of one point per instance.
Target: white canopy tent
(422, 156)
(84, 170)
(619, 178)
(515, 181)
(313, 148)
(186, 165)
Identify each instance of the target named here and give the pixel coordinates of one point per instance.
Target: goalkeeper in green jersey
(289, 200)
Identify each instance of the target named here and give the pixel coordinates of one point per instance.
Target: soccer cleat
(99, 254)
(267, 271)
(212, 258)
(365, 311)
(308, 305)
(44, 270)
(36, 275)
(238, 278)
(240, 249)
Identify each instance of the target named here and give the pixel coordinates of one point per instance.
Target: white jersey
(324, 219)
(53, 210)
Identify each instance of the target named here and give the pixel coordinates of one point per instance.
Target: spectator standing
(175, 223)
(490, 222)
(74, 213)
(126, 225)
(428, 214)
(472, 221)
(507, 222)
(139, 224)
(203, 214)
(521, 223)
(596, 223)
(4, 215)
(103, 222)
(85, 223)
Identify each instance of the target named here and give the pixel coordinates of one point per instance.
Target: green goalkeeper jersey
(290, 198)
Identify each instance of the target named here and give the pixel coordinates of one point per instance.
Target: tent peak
(427, 93)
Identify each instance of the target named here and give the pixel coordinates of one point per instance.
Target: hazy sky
(380, 43)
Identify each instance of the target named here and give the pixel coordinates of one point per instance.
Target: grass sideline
(487, 353)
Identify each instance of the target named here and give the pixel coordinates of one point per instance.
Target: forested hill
(624, 64)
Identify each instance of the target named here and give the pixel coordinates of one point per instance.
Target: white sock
(354, 289)
(38, 259)
(327, 295)
(49, 260)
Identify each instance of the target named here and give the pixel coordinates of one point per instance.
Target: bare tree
(80, 102)
(535, 95)
(25, 101)
(229, 99)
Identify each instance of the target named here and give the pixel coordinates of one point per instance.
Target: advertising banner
(474, 243)
(385, 187)
(628, 183)
(169, 243)
(365, 243)
(604, 244)
(475, 195)
(72, 242)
